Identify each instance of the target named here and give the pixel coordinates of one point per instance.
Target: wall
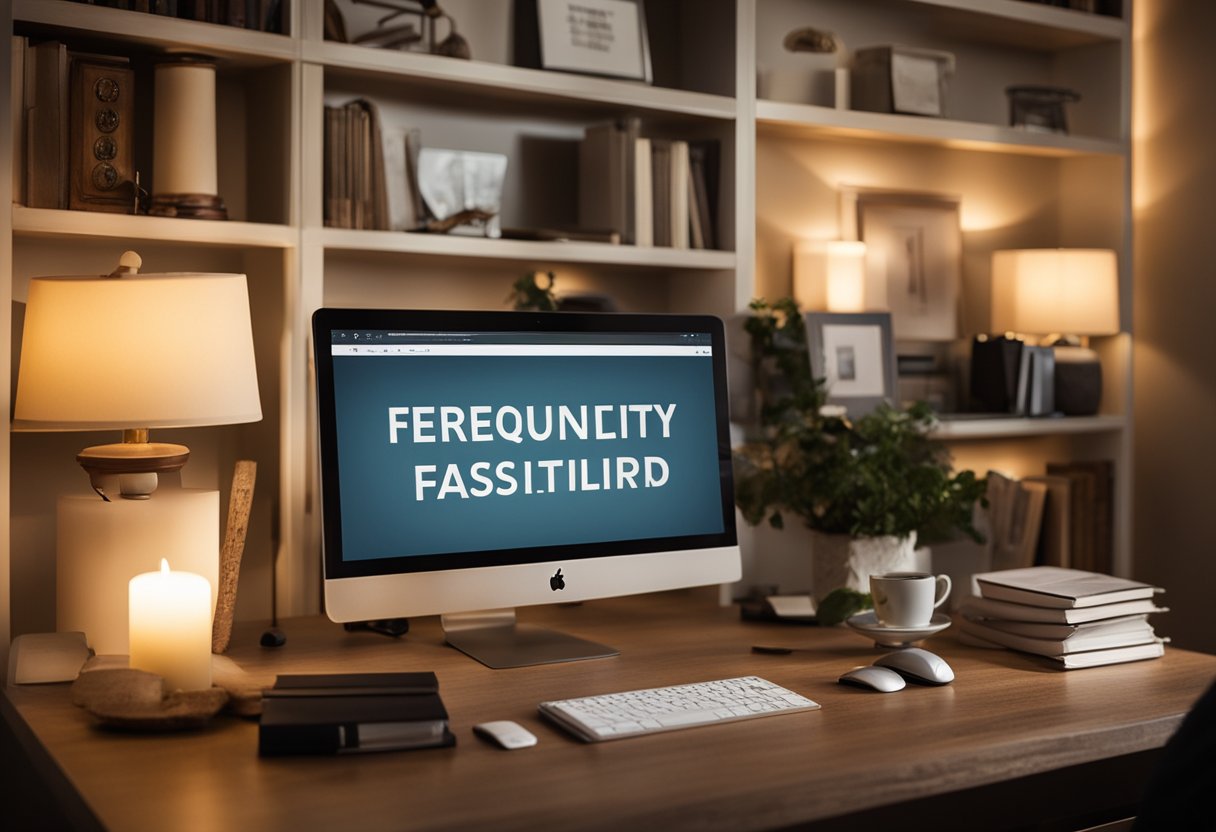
(1174, 178)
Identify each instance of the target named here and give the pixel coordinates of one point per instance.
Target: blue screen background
(381, 517)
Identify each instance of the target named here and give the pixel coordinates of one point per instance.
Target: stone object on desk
(135, 700)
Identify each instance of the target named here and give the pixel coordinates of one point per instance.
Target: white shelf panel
(1012, 427)
(1021, 24)
(778, 117)
(47, 222)
(516, 83)
(243, 46)
(525, 250)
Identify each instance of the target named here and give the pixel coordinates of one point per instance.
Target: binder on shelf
(352, 713)
(46, 70)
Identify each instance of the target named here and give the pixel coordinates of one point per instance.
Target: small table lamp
(1066, 295)
(130, 352)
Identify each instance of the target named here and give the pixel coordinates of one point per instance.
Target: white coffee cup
(908, 599)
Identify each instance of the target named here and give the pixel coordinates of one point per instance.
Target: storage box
(901, 79)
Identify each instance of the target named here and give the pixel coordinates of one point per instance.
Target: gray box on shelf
(901, 79)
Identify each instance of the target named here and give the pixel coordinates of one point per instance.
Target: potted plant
(868, 488)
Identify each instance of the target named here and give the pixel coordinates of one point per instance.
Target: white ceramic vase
(838, 560)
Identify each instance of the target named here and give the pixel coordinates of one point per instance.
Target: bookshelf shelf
(478, 248)
(1012, 427)
(49, 223)
(242, 47)
(1021, 24)
(785, 119)
(509, 83)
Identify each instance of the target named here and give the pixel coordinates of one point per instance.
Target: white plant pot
(838, 560)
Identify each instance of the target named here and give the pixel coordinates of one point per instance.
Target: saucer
(867, 624)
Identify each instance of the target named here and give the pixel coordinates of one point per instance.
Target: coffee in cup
(907, 599)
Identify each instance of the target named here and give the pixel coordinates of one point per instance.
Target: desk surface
(1005, 716)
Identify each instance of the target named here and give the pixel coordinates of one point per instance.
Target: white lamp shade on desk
(1055, 291)
(137, 351)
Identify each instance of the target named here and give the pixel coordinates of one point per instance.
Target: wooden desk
(1005, 717)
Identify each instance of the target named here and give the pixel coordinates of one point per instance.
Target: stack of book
(1074, 617)
(352, 712)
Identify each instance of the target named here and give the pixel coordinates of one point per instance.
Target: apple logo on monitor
(557, 581)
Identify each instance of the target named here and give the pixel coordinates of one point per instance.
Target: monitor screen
(458, 442)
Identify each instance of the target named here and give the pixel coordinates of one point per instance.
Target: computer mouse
(874, 678)
(917, 665)
(505, 734)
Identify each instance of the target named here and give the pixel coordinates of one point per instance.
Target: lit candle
(170, 627)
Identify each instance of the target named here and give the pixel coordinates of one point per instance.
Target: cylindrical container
(184, 168)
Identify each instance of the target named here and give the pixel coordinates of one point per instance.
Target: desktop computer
(473, 462)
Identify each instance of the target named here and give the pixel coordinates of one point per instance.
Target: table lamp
(130, 352)
(832, 276)
(1065, 295)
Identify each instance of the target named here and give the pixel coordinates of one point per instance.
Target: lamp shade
(1064, 291)
(137, 351)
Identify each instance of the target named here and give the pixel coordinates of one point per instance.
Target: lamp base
(134, 464)
(1078, 384)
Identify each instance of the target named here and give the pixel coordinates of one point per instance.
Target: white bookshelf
(774, 187)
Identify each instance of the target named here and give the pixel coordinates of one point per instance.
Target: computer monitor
(475, 461)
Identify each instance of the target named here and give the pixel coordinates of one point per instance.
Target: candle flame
(164, 565)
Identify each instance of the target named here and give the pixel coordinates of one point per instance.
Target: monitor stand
(495, 639)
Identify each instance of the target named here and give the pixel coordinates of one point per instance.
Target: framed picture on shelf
(594, 37)
(855, 355)
(916, 238)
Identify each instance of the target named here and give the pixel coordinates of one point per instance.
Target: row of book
(355, 181)
(261, 15)
(1071, 616)
(1062, 518)
(650, 191)
(347, 713)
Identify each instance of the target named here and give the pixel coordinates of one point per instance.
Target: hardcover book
(1058, 588)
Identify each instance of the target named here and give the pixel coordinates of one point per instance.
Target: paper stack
(1077, 618)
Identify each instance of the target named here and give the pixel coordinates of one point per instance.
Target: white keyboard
(628, 714)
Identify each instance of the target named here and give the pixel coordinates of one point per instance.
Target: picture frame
(917, 238)
(855, 354)
(594, 37)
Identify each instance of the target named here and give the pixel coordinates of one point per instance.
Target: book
(703, 161)
(643, 193)
(990, 608)
(1106, 626)
(602, 184)
(1057, 588)
(18, 95)
(660, 162)
(1093, 510)
(678, 199)
(352, 713)
(1055, 539)
(1115, 655)
(353, 684)
(46, 70)
(1017, 517)
(1075, 643)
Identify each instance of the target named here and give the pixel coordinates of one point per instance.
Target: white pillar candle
(170, 615)
(184, 129)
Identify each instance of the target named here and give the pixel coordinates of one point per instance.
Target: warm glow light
(831, 275)
(1046, 291)
(170, 627)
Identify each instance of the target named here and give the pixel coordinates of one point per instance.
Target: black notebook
(352, 713)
